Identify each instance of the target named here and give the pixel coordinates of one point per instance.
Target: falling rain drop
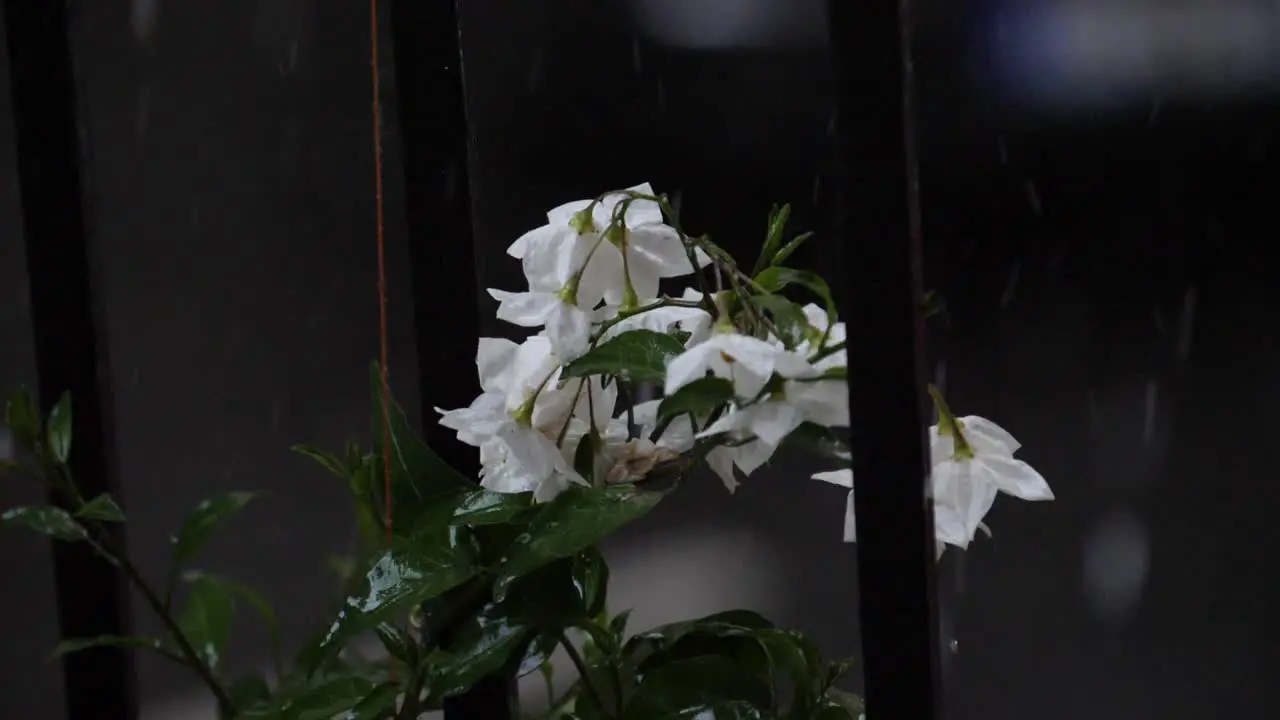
(143, 19)
(1010, 286)
(1186, 322)
(637, 63)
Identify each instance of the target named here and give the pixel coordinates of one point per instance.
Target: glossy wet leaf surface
(203, 521)
(702, 688)
(698, 397)
(414, 571)
(484, 507)
(578, 518)
(52, 521)
(205, 619)
(103, 509)
(136, 643)
(637, 355)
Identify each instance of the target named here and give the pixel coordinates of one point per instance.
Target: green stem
(624, 314)
(582, 670)
(827, 351)
(103, 545)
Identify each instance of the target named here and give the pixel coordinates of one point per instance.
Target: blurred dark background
(1098, 191)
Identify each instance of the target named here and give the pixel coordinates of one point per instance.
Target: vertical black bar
(881, 226)
(100, 683)
(433, 120)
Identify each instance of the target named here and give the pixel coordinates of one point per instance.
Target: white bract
(734, 390)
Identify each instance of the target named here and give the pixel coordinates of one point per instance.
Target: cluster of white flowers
(593, 274)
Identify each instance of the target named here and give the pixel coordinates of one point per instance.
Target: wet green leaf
(201, 523)
(790, 248)
(327, 699)
(205, 620)
(636, 355)
(711, 687)
(699, 397)
(485, 507)
(103, 509)
(248, 693)
(481, 646)
(774, 279)
(591, 577)
(418, 475)
(397, 642)
(578, 518)
(778, 217)
(66, 647)
(376, 704)
(788, 318)
(584, 457)
(324, 459)
(412, 572)
(261, 606)
(60, 429)
(52, 521)
(23, 419)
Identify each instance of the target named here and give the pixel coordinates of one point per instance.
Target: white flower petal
(843, 478)
(521, 245)
(494, 357)
(569, 330)
(1017, 478)
(563, 214)
(688, 366)
(850, 520)
(751, 456)
(661, 247)
(988, 437)
(721, 462)
(526, 309)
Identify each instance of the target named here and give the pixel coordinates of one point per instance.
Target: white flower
(568, 324)
(770, 420)
(746, 361)
(818, 322)
(582, 244)
(965, 479)
(680, 436)
(843, 478)
(695, 321)
(524, 418)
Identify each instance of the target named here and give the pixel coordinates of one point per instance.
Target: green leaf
(201, 523)
(788, 318)
(850, 703)
(637, 355)
(790, 247)
(699, 397)
(485, 507)
(60, 429)
(397, 642)
(23, 419)
(325, 459)
(584, 457)
(821, 440)
(666, 636)
(52, 521)
(102, 508)
(418, 475)
(248, 693)
(578, 518)
(261, 606)
(701, 687)
(775, 279)
(376, 704)
(66, 647)
(413, 571)
(481, 646)
(778, 217)
(323, 701)
(206, 619)
(591, 577)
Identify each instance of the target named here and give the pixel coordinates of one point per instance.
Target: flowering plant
(460, 582)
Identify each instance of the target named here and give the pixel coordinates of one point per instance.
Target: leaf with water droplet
(205, 620)
(201, 523)
(52, 521)
(103, 509)
(636, 355)
(413, 571)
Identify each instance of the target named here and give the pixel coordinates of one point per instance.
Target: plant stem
(104, 545)
(582, 671)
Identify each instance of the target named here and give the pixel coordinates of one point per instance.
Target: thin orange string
(382, 265)
(383, 343)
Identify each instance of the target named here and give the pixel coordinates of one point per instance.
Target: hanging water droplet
(954, 646)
